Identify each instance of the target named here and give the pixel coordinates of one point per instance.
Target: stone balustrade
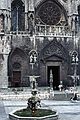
(47, 30)
(56, 31)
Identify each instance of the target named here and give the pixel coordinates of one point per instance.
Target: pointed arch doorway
(56, 58)
(18, 69)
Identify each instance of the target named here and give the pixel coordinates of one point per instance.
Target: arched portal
(18, 68)
(54, 58)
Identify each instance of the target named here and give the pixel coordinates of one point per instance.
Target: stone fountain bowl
(12, 116)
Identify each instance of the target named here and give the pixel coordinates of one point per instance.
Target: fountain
(33, 111)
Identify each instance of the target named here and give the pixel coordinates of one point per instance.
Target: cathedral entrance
(56, 76)
(18, 68)
(16, 79)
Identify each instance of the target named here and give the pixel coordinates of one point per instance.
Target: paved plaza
(66, 109)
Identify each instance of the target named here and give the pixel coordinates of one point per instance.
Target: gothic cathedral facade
(40, 38)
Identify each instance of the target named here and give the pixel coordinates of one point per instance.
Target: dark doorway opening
(16, 81)
(56, 76)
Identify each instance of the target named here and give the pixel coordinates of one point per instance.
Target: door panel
(16, 78)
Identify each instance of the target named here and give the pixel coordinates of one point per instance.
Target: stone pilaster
(26, 21)
(9, 24)
(3, 72)
(69, 12)
(31, 5)
(26, 13)
(3, 61)
(5, 23)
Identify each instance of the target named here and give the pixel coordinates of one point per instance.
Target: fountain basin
(54, 116)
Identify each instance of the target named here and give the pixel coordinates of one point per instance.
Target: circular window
(49, 13)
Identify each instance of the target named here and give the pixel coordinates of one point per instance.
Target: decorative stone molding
(21, 0)
(54, 48)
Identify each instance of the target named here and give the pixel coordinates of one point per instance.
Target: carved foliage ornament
(49, 13)
(55, 49)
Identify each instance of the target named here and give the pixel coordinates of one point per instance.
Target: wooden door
(16, 78)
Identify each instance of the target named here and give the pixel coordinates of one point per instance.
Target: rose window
(49, 13)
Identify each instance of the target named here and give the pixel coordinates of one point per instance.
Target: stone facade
(48, 28)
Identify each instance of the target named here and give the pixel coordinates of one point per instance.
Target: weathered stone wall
(25, 42)
(4, 51)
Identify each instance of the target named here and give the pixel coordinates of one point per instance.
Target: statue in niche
(33, 82)
(31, 24)
(33, 57)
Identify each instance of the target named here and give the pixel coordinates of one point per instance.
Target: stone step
(45, 95)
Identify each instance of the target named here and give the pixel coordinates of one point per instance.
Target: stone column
(26, 20)
(26, 13)
(9, 24)
(31, 5)
(3, 63)
(3, 73)
(31, 17)
(69, 11)
(5, 24)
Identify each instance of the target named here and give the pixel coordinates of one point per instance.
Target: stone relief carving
(54, 49)
(31, 23)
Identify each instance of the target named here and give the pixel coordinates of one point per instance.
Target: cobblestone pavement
(66, 109)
